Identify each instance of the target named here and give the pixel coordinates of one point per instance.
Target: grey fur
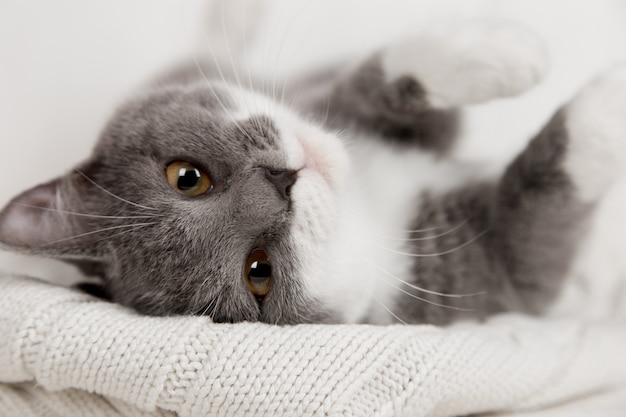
(524, 232)
(199, 244)
(185, 256)
(396, 110)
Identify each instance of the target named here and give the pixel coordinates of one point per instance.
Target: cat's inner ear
(36, 221)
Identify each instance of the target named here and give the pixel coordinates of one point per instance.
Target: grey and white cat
(202, 197)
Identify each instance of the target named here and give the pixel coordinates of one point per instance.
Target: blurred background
(65, 65)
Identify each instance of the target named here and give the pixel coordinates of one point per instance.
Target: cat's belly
(368, 261)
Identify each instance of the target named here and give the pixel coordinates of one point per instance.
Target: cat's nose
(282, 179)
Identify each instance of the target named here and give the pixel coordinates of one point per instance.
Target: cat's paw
(596, 126)
(471, 64)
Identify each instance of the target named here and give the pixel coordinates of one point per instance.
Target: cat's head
(198, 199)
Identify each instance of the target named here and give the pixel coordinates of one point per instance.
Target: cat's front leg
(596, 126)
(547, 196)
(473, 63)
(518, 237)
(411, 89)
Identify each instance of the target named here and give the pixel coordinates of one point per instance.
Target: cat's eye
(258, 272)
(188, 179)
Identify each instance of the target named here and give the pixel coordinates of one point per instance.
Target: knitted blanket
(63, 353)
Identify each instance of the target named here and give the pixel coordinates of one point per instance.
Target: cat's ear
(38, 221)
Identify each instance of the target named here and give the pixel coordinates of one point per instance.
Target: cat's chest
(368, 261)
(389, 179)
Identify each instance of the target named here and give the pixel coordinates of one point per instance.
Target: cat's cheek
(314, 208)
(313, 229)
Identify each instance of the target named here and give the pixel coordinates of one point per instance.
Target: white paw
(596, 124)
(470, 64)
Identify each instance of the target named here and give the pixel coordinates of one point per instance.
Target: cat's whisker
(217, 97)
(394, 315)
(432, 255)
(303, 317)
(250, 86)
(214, 303)
(436, 304)
(307, 318)
(263, 80)
(295, 102)
(228, 48)
(417, 239)
(423, 230)
(230, 55)
(417, 297)
(113, 195)
(96, 216)
(225, 82)
(416, 287)
(296, 99)
(394, 230)
(194, 56)
(210, 305)
(98, 231)
(119, 234)
(205, 309)
(218, 300)
(272, 84)
(324, 118)
(293, 21)
(280, 315)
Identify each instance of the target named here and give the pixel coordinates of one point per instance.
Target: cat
(204, 197)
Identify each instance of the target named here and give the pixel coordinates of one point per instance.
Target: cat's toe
(596, 125)
(470, 64)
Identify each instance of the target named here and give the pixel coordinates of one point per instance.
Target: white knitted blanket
(63, 353)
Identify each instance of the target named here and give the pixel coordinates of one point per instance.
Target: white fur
(362, 268)
(596, 123)
(383, 197)
(306, 147)
(597, 280)
(323, 165)
(469, 64)
(349, 200)
(353, 202)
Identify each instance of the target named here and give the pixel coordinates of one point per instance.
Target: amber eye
(258, 273)
(187, 179)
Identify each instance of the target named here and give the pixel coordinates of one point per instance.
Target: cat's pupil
(187, 179)
(259, 272)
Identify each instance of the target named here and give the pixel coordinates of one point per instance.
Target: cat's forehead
(201, 119)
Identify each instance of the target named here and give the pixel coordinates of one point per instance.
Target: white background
(64, 65)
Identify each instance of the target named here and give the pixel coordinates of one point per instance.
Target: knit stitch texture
(63, 353)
